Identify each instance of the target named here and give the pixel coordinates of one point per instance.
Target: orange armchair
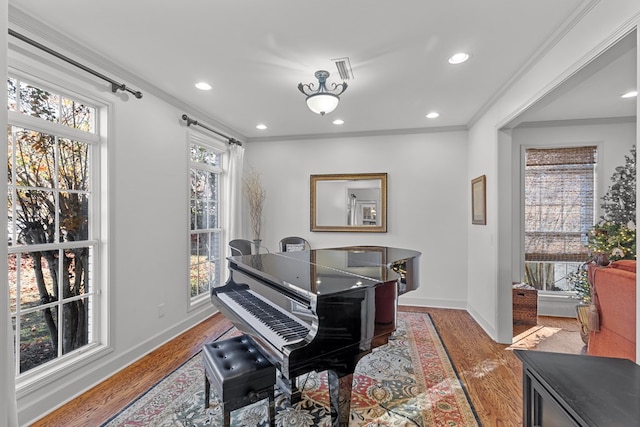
(615, 297)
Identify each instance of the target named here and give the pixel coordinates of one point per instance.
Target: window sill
(558, 294)
(36, 378)
(199, 302)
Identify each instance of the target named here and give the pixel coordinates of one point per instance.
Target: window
(205, 232)
(52, 224)
(559, 211)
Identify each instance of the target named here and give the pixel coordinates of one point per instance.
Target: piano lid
(326, 271)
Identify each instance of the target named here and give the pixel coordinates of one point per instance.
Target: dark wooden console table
(577, 390)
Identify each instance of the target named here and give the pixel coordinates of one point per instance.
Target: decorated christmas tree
(615, 236)
(619, 202)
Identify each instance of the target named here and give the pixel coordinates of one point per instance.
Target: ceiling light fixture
(630, 94)
(338, 122)
(203, 86)
(458, 58)
(432, 115)
(261, 126)
(323, 100)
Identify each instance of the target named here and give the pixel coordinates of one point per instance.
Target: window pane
(214, 245)
(198, 191)
(35, 159)
(36, 272)
(204, 271)
(204, 155)
(199, 274)
(10, 222)
(76, 280)
(215, 260)
(75, 331)
(13, 284)
(39, 103)
(38, 338)
(212, 200)
(35, 216)
(73, 165)
(74, 217)
(212, 214)
(78, 116)
(12, 91)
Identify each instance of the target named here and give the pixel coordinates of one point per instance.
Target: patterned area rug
(408, 382)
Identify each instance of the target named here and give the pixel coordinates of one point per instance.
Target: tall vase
(257, 244)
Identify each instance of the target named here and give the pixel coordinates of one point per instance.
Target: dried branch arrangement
(255, 195)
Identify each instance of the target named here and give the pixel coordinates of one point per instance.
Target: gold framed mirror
(349, 202)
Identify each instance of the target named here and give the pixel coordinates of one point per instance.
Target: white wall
(491, 248)
(427, 204)
(147, 240)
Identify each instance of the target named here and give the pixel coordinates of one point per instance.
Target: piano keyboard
(274, 324)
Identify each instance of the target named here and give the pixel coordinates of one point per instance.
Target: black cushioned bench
(240, 373)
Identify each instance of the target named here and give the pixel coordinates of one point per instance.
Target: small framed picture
(479, 200)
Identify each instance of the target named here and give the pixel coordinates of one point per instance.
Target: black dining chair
(293, 243)
(245, 247)
(240, 247)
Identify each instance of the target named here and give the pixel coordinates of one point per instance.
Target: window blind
(559, 202)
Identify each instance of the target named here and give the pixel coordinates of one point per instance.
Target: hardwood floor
(491, 375)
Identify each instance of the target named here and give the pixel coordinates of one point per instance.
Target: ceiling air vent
(344, 68)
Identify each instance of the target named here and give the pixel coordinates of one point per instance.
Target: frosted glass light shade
(322, 103)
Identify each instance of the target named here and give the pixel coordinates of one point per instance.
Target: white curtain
(233, 195)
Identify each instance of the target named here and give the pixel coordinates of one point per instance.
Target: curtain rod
(191, 121)
(115, 86)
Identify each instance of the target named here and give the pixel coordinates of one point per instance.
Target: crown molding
(577, 122)
(359, 134)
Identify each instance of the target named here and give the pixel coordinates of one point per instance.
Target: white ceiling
(254, 54)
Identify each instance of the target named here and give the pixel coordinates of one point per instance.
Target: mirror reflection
(349, 202)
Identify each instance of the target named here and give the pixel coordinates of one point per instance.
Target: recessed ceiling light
(630, 94)
(338, 122)
(458, 58)
(432, 115)
(203, 86)
(261, 126)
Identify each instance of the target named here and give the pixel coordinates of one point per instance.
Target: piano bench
(240, 373)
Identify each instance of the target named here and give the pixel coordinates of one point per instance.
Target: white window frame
(596, 197)
(220, 147)
(99, 343)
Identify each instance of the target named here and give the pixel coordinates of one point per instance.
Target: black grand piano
(318, 310)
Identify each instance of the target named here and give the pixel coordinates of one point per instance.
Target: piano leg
(339, 398)
(289, 387)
